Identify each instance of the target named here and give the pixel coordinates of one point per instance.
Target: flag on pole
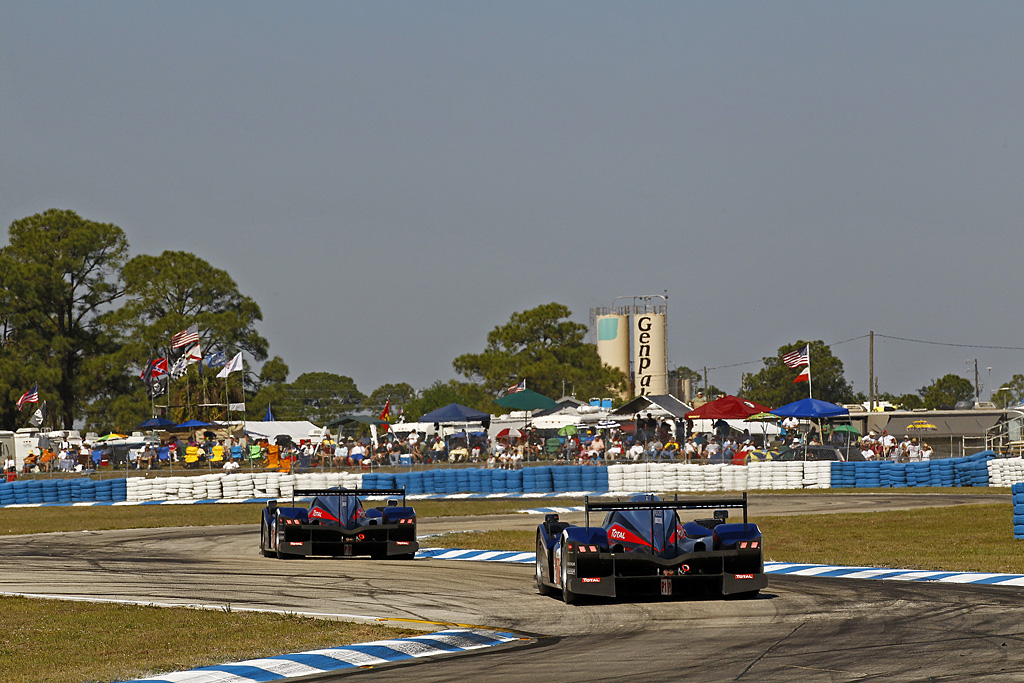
(795, 359)
(804, 376)
(269, 417)
(39, 416)
(30, 396)
(516, 388)
(193, 355)
(179, 367)
(157, 387)
(215, 359)
(385, 414)
(233, 366)
(156, 368)
(186, 337)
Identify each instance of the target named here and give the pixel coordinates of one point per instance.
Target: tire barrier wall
(63, 491)
(1017, 491)
(971, 470)
(981, 469)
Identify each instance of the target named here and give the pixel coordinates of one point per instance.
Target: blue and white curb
(550, 511)
(780, 568)
(829, 571)
(476, 555)
(340, 658)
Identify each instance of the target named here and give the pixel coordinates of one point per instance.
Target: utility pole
(977, 387)
(871, 371)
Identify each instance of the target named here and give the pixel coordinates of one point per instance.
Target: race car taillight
(361, 536)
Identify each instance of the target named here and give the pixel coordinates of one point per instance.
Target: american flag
(30, 396)
(186, 337)
(795, 359)
(516, 388)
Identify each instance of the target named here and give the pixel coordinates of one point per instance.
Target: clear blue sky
(390, 180)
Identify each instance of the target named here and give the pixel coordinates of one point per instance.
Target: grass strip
(963, 538)
(70, 642)
(96, 518)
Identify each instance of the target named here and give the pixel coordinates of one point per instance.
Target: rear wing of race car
(675, 504)
(349, 492)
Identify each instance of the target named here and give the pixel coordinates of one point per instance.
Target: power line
(959, 346)
(884, 336)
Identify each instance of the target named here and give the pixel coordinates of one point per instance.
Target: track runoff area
(463, 638)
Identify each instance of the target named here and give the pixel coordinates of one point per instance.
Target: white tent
(297, 430)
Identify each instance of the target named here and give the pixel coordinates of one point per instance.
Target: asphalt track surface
(798, 629)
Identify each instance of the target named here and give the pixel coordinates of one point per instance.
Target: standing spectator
(926, 452)
(914, 451)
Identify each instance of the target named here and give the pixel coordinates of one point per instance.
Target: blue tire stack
(868, 474)
(591, 478)
(499, 481)
(427, 482)
(66, 486)
(575, 480)
(514, 481)
(104, 492)
(370, 481)
(486, 481)
(6, 493)
(50, 491)
(973, 469)
(1017, 491)
(537, 480)
(414, 483)
(560, 478)
(450, 482)
(34, 492)
(843, 475)
(944, 472)
(917, 474)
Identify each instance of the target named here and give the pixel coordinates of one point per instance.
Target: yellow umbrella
(921, 426)
(112, 435)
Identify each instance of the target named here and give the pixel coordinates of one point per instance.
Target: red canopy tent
(727, 408)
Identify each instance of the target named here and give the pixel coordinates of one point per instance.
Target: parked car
(851, 454)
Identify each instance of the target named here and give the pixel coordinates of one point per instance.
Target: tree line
(81, 318)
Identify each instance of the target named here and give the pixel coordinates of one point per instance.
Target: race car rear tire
(541, 571)
(267, 552)
(568, 597)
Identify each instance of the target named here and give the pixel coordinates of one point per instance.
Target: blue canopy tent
(193, 424)
(455, 412)
(156, 423)
(810, 409)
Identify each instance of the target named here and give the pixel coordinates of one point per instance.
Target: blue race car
(337, 525)
(643, 548)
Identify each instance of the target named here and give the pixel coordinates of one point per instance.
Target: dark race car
(337, 525)
(643, 548)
